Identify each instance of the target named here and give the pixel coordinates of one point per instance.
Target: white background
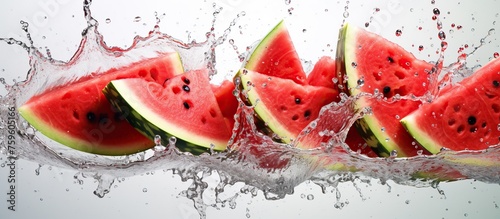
(57, 25)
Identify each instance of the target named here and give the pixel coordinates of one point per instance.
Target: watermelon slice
(275, 55)
(185, 107)
(285, 106)
(323, 73)
(79, 116)
(374, 65)
(465, 117)
(224, 93)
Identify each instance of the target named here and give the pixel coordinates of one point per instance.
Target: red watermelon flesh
(323, 73)
(466, 116)
(275, 55)
(79, 116)
(377, 66)
(224, 93)
(285, 106)
(185, 107)
(357, 144)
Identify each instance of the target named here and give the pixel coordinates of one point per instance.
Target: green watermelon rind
(150, 124)
(369, 128)
(260, 109)
(421, 137)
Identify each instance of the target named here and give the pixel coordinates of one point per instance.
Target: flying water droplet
(399, 32)
(394, 153)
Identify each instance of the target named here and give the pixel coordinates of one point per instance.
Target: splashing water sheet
(42, 46)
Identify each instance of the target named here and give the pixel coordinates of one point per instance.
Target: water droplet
(361, 82)
(144, 190)
(287, 2)
(394, 153)
(407, 202)
(491, 31)
(495, 55)
(310, 197)
(346, 14)
(436, 11)
(137, 18)
(108, 20)
(420, 48)
(172, 140)
(399, 32)
(442, 35)
(354, 64)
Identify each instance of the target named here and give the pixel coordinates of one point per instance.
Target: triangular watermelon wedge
(373, 65)
(466, 116)
(185, 108)
(275, 55)
(285, 106)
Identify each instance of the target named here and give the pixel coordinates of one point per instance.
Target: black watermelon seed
(471, 120)
(307, 114)
(386, 89)
(186, 105)
(186, 88)
(186, 80)
(297, 100)
(390, 59)
(496, 83)
(91, 116)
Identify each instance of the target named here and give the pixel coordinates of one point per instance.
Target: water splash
(327, 162)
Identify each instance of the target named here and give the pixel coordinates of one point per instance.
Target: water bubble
(287, 2)
(304, 30)
(137, 18)
(495, 55)
(420, 48)
(407, 202)
(354, 64)
(108, 20)
(144, 190)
